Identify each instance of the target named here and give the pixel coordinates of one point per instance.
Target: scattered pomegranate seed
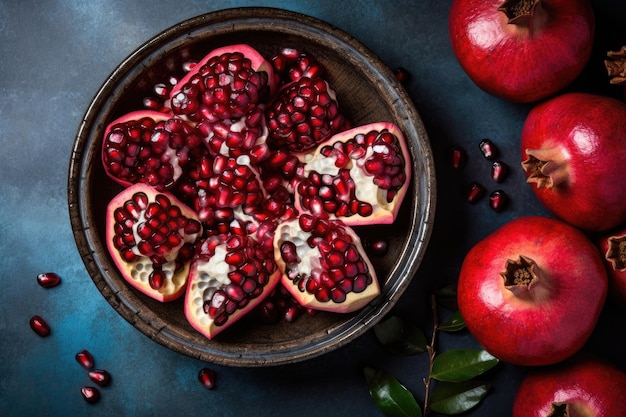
(207, 377)
(85, 359)
(39, 326)
(48, 279)
(90, 394)
(475, 193)
(292, 313)
(498, 200)
(488, 149)
(499, 171)
(458, 158)
(100, 377)
(402, 74)
(380, 246)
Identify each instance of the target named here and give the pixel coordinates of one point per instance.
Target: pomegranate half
(150, 236)
(532, 291)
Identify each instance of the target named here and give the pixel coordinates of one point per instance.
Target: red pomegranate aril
(458, 158)
(488, 149)
(499, 171)
(100, 377)
(48, 279)
(85, 359)
(39, 326)
(90, 394)
(498, 201)
(475, 192)
(380, 247)
(207, 378)
(402, 74)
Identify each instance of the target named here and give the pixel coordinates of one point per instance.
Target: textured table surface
(56, 54)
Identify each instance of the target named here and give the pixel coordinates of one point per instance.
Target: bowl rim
(422, 210)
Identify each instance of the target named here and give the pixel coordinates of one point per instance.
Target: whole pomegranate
(532, 291)
(574, 152)
(584, 386)
(522, 50)
(613, 247)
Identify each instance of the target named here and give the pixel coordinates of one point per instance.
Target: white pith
(211, 275)
(308, 257)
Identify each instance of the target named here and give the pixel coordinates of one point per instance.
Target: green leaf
(391, 397)
(453, 324)
(462, 364)
(452, 398)
(400, 337)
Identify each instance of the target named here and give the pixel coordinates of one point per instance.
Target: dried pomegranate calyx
(546, 167)
(616, 66)
(520, 11)
(520, 273)
(616, 252)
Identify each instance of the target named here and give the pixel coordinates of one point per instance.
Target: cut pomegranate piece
(323, 264)
(360, 175)
(227, 83)
(150, 236)
(303, 114)
(230, 275)
(148, 147)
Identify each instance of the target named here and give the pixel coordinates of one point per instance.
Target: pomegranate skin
(587, 385)
(582, 140)
(527, 60)
(544, 321)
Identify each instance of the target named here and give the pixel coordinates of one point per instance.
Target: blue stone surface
(54, 57)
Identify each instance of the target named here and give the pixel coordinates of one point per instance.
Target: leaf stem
(431, 351)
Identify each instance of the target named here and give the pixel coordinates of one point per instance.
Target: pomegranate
(148, 147)
(150, 236)
(303, 114)
(227, 83)
(584, 386)
(613, 247)
(230, 275)
(522, 50)
(323, 264)
(519, 287)
(359, 175)
(574, 153)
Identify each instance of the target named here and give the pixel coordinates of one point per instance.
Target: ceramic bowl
(367, 91)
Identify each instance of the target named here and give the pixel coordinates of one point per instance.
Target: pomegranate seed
(39, 326)
(207, 377)
(488, 149)
(48, 279)
(402, 74)
(100, 377)
(90, 394)
(380, 247)
(85, 359)
(498, 200)
(475, 193)
(458, 158)
(292, 313)
(499, 171)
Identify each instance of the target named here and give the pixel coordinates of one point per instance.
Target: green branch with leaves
(450, 387)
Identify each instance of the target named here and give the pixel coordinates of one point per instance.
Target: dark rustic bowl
(367, 92)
